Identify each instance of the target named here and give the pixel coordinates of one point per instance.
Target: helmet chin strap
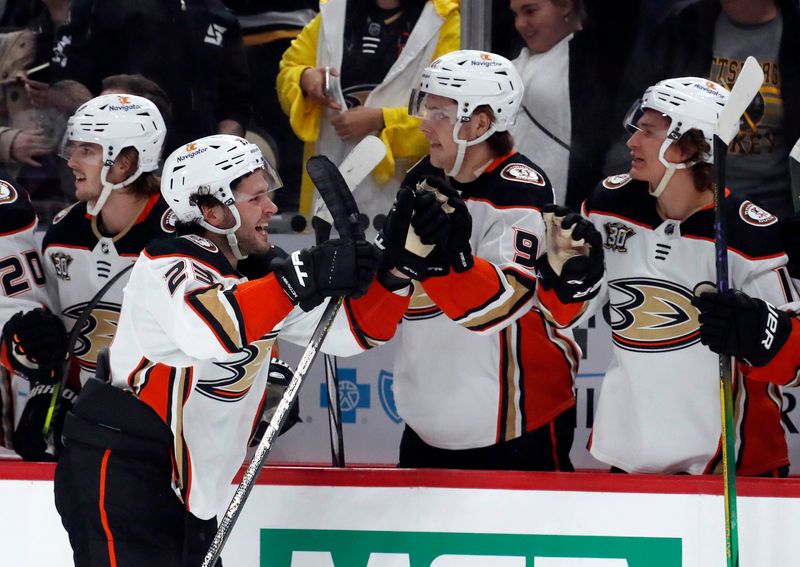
(105, 193)
(671, 169)
(463, 145)
(230, 233)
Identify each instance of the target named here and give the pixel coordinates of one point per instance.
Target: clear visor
(633, 120)
(86, 152)
(432, 107)
(273, 180)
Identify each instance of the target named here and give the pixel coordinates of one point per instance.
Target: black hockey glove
(336, 268)
(28, 440)
(736, 324)
(280, 374)
(573, 265)
(790, 234)
(441, 217)
(36, 344)
(393, 239)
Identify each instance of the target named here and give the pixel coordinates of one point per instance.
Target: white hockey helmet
(208, 166)
(471, 78)
(688, 103)
(115, 122)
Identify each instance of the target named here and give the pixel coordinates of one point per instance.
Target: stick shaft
(264, 447)
(725, 364)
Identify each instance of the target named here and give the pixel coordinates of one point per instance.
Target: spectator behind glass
(193, 49)
(566, 59)
(375, 50)
(712, 38)
(140, 86)
(33, 125)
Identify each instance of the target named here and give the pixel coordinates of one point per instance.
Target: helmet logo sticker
(755, 215)
(124, 100)
(7, 193)
(523, 173)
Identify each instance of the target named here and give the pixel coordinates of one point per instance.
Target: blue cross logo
(351, 394)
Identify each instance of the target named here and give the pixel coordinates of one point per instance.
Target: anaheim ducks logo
(96, 333)
(523, 173)
(616, 181)
(241, 370)
(203, 243)
(755, 215)
(168, 220)
(7, 193)
(650, 315)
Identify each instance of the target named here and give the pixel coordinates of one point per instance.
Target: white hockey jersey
(22, 288)
(79, 261)
(194, 344)
(477, 364)
(659, 408)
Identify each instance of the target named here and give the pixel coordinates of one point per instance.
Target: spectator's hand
(38, 92)
(573, 265)
(312, 83)
(357, 122)
(738, 325)
(29, 144)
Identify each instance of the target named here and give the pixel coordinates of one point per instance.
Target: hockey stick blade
(355, 167)
(794, 172)
(744, 90)
(336, 194)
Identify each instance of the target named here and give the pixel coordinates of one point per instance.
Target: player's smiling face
(86, 162)
(255, 206)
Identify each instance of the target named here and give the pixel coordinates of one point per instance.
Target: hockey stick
(744, 90)
(354, 168)
(55, 400)
(794, 172)
(334, 190)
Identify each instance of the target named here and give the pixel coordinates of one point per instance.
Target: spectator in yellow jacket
(350, 73)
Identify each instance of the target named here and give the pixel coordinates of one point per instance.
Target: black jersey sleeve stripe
(208, 305)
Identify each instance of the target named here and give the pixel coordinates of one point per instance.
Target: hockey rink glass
(432, 107)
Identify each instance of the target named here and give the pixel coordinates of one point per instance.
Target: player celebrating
(113, 146)
(163, 442)
(481, 380)
(659, 409)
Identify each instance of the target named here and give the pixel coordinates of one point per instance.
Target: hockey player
(659, 409)
(33, 338)
(481, 379)
(113, 146)
(150, 457)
